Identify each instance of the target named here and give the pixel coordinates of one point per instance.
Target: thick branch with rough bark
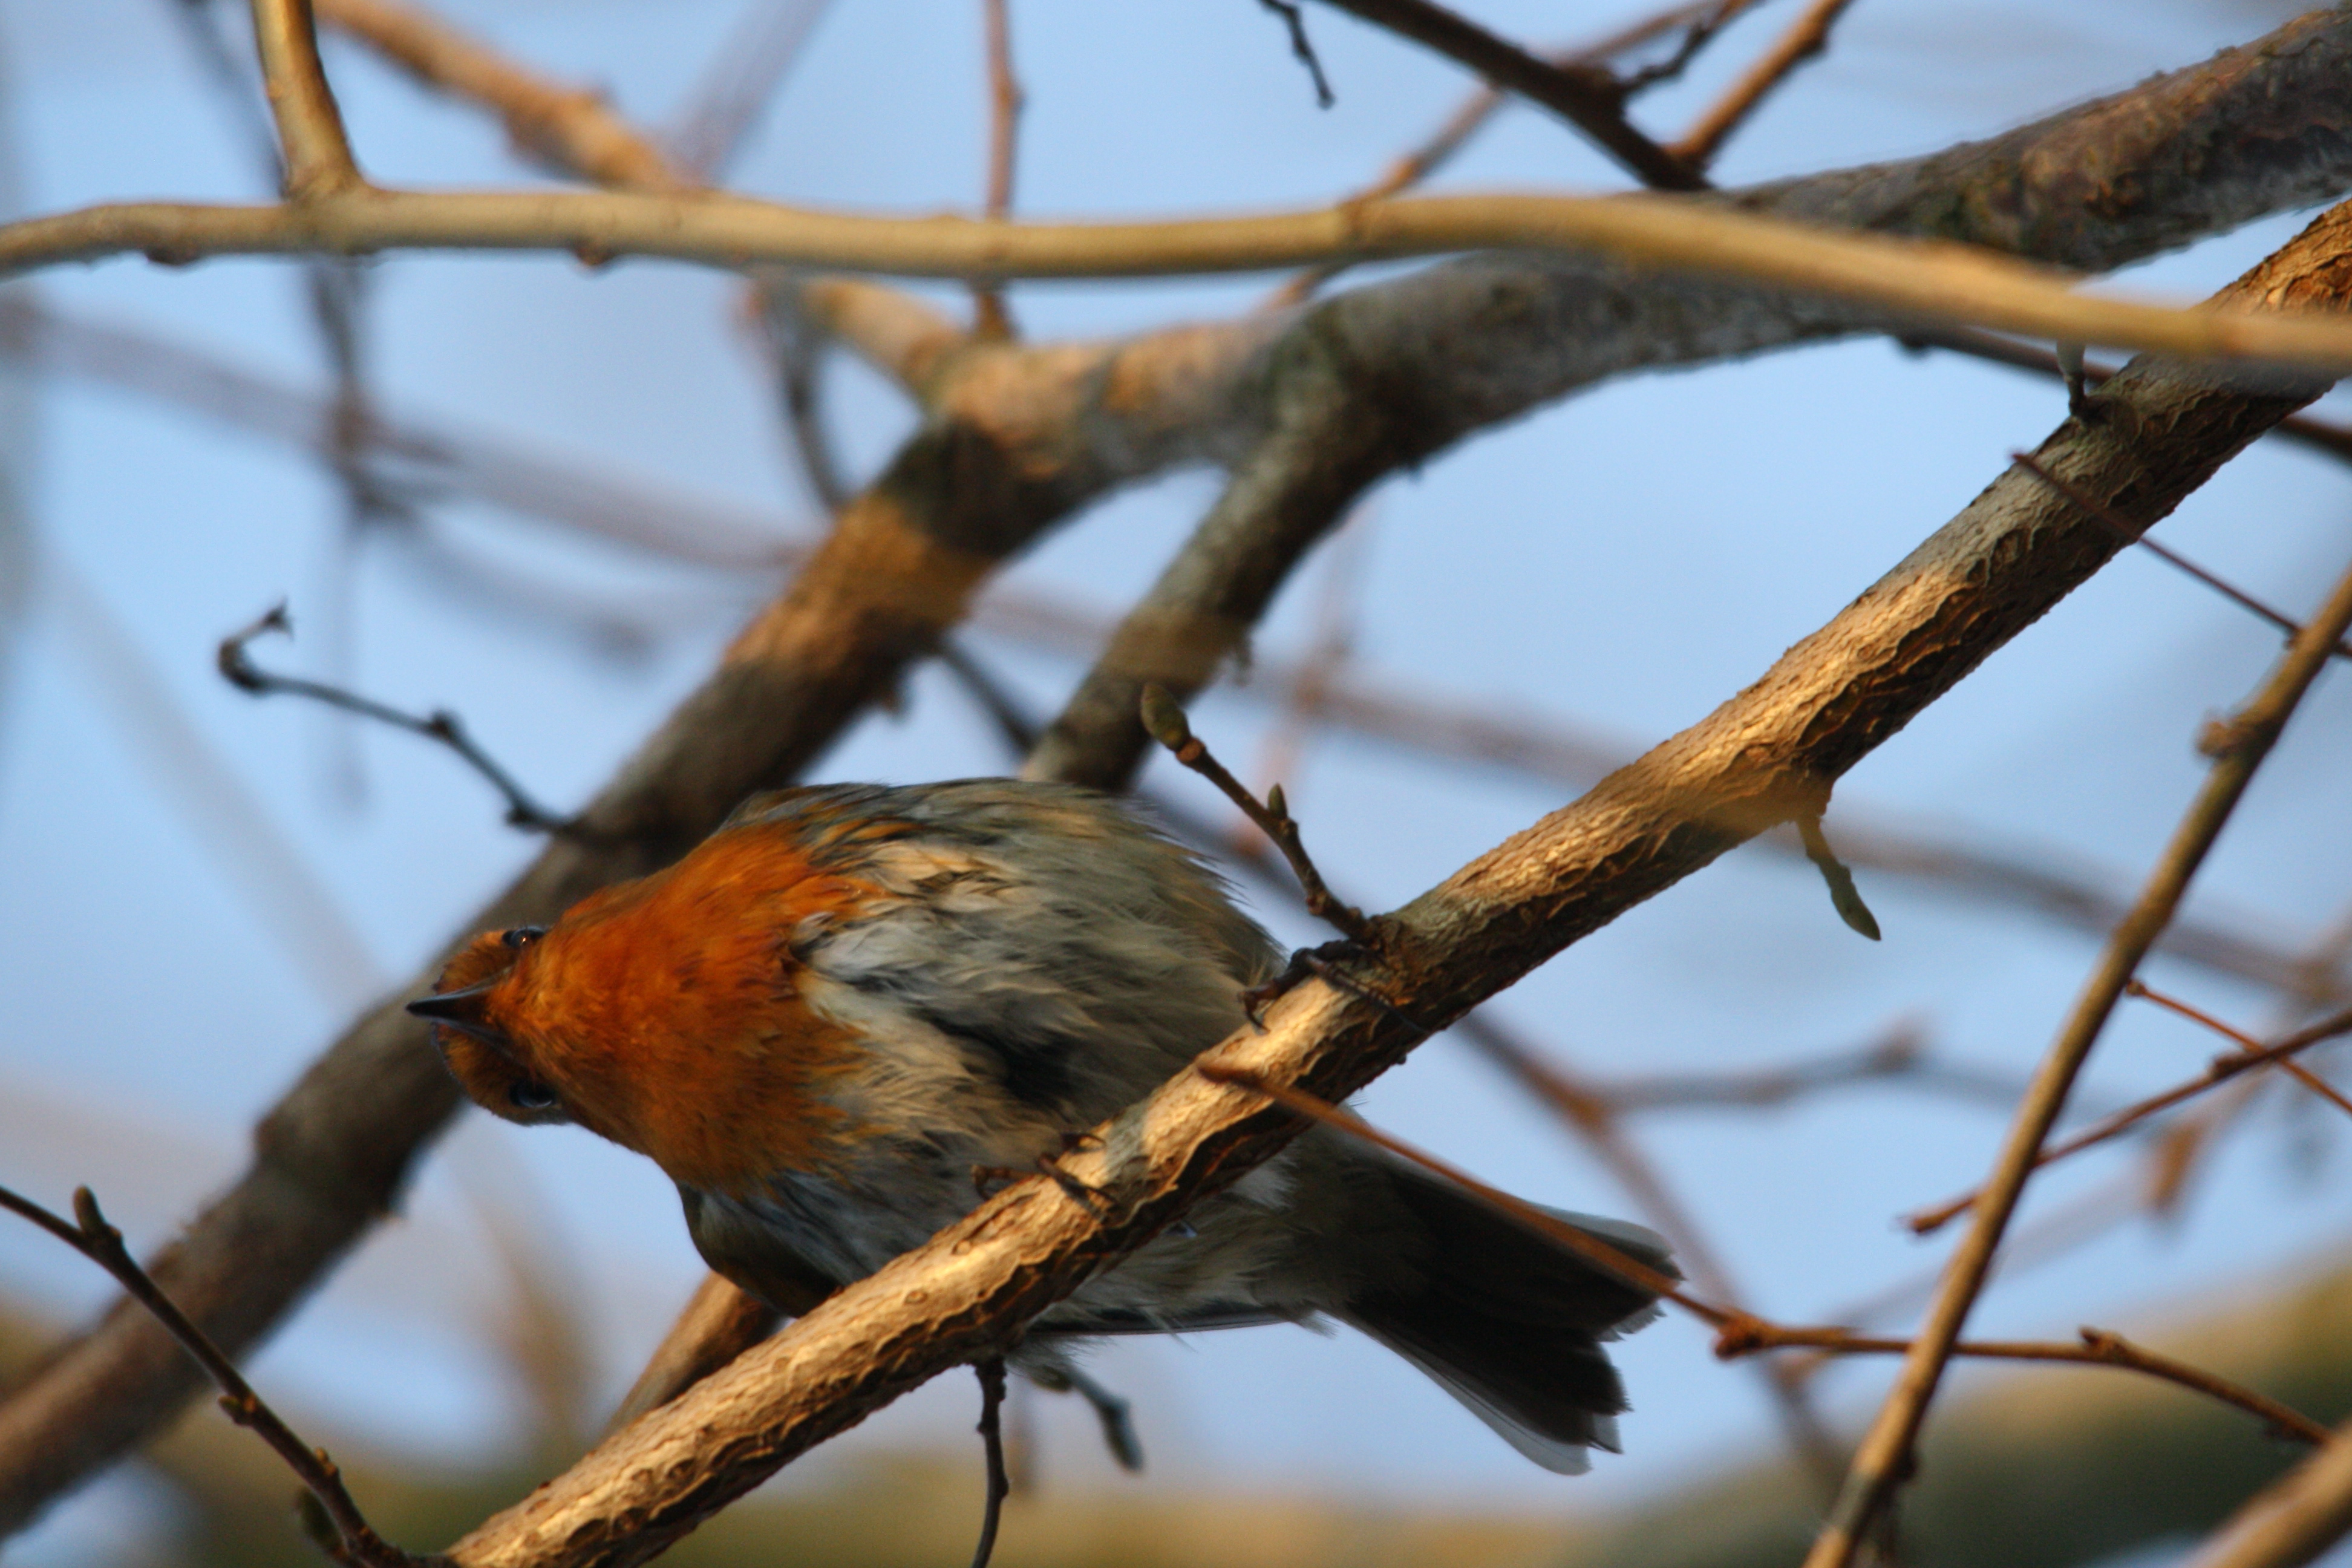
(1772, 751)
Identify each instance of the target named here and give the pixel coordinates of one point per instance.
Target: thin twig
(235, 81)
(1331, 646)
(1167, 724)
(1586, 98)
(309, 127)
(1808, 36)
(797, 344)
(1699, 22)
(992, 1440)
(2295, 1069)
(354, 1541)
(1584, 1244)
(990, 318)
(239, 670)
(1899, 1057)
(2222, 1070)
(1303, 50)
(2106, 517)
(2099, 1347)
(1883, 1458)
(1739, 1333)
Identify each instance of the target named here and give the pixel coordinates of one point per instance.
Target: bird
(823, 1019)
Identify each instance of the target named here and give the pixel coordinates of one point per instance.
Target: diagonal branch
(570, 127)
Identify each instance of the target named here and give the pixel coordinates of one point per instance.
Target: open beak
(461, 1010)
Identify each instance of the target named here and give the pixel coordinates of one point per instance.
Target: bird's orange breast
(668, 1013)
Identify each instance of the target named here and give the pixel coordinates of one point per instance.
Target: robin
(842, 1003)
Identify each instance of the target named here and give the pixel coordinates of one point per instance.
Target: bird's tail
(1507, 1321)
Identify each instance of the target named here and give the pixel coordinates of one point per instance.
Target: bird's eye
(530, 1096)
(521, 936)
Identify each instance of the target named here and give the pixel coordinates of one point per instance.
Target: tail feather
(1508, 1321)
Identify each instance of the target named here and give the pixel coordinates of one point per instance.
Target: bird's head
(663, 1013)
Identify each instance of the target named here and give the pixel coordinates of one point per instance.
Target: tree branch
(1918, 280)
(2099, 1347)
(351, 1539)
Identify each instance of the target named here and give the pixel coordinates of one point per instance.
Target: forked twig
(2099, 1347)
(1166, 721)
(1589, 99)
(1807, 37)
(348, 1538)
(2222, 1070)
(239, 670)
(1699, 24)
(2243, 1041)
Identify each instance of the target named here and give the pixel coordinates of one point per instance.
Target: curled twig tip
(441, 725)
(1844, 896)
(91, 1219)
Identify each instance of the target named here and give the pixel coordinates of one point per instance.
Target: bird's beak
(461, 1010)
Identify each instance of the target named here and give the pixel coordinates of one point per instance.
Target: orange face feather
(665, 1014)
